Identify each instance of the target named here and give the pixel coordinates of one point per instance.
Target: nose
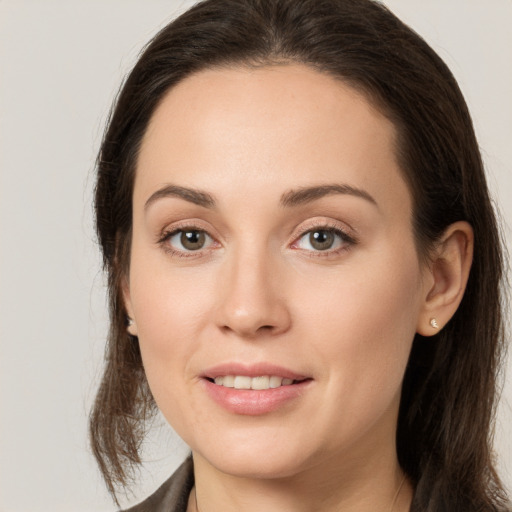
(252, 300)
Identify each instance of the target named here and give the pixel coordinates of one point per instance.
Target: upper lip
(251, 370)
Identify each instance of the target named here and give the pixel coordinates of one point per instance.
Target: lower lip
(253, 402)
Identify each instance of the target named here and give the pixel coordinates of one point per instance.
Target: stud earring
(433, 323)
(130, 328)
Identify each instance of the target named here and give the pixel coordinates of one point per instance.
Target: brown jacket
(172, 495)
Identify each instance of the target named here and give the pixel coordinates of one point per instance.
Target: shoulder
(172, 495)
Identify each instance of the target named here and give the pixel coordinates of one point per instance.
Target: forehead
(279, 126)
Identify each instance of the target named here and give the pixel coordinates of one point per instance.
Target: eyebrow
(188, 194)
(291, 198)
(308, 194)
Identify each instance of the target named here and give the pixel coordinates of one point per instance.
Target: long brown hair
(444, 431)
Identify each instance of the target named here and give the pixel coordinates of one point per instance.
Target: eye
(322, 239)
(188, 240)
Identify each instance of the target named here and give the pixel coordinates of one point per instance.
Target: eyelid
(347, 233)
(186, 225)
(323, 224)
(327, 224)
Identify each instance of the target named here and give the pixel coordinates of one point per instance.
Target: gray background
(61, 63)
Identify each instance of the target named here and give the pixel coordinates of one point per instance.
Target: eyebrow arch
(308, 194)
(188, 194)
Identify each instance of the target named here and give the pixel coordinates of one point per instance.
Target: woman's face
(273, 249)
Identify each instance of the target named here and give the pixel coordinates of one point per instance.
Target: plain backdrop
(61, 62)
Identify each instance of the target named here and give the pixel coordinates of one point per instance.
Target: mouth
(255, 389)
(259, 383)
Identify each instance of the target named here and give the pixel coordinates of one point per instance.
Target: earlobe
(131, 326)
(448, 276)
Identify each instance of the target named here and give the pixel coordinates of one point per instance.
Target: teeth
(228, 381)
(259, 383)
(242, 382)
(275, 382)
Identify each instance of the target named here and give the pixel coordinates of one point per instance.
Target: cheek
(358, 331)
(170, 310)
(168, 298)
(364, 320)
(169, 305)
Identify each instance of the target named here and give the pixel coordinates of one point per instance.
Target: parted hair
(445, 424)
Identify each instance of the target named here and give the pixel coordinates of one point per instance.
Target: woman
(304, 266)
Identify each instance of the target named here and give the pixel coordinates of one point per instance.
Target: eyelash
(347, 240)
(166, 235)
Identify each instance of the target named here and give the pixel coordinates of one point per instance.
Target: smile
(257, 383)
(254, 389)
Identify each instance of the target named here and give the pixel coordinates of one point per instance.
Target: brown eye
(188, 240)
(321, 239)
(192, 240)
(324, 239)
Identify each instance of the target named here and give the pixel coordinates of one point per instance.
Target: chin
(257, 466)
(269, 458)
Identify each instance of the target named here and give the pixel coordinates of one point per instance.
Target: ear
(125, 290)
(446, 279)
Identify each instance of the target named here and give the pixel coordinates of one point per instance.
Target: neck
(377, 487)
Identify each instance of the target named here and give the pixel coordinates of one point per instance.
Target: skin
(258, 291)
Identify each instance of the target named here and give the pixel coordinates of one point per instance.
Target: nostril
(250, 332)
